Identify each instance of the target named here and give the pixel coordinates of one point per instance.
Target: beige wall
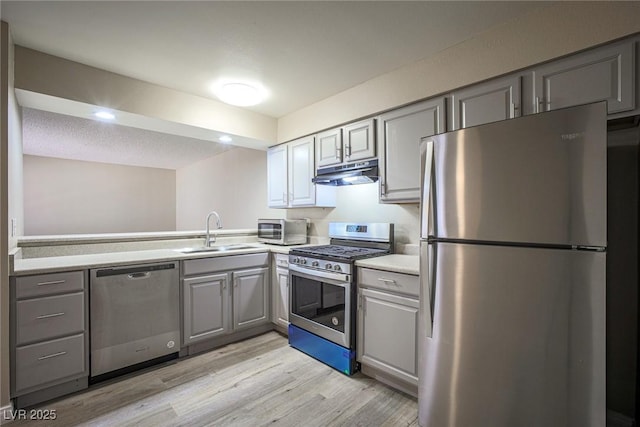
(360, 203)
(71, 196)
(16, 209)
(544, 34)
(233, 183)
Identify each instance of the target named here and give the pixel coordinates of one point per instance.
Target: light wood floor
(255, 382)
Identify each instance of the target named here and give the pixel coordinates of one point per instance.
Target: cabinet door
(487, 102)
(387, 334)
(606, 73)
(302, 192)
(205, 303)
(359, 140)
(399, 134)
(48, 362)
(281, 302)
(277, 192)
(329, 148)
(250, 297)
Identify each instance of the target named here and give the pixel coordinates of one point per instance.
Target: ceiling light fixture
(105, 115)
(240, 94)
(225, 139)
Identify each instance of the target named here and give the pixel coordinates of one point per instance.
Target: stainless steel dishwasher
(134, 315)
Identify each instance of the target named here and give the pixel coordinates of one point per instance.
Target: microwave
(282, 231)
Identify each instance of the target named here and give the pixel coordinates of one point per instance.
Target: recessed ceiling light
(105, 115)
(225, 139)
(240, 94)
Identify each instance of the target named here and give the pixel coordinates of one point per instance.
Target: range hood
(348, 174)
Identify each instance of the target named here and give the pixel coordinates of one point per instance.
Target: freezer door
(518, 338)
(537, 179)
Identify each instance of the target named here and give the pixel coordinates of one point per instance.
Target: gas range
(338, 258)
(322, 291)
(349, 242)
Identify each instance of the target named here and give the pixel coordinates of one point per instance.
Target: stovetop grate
(339, 251)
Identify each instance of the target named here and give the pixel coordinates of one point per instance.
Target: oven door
(321, 302)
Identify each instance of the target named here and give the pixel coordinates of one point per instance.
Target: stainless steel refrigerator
(512, 269)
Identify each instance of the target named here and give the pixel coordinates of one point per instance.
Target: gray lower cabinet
(224, 295)
(602, 74)
(399, 135)
(491, 101)
(206, 307)
(250, 298)
(387, 340)
(280, 292)
(49, 336)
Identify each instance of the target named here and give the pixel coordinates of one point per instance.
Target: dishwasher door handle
(137, 276)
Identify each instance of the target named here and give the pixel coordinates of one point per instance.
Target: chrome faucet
(208, 241)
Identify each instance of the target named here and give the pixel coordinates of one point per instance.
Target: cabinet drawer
(388, 281)
(48, 284)
(223, 263)
(49, 317)
(282, 260)
(42, 363)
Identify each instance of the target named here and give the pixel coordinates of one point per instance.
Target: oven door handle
(339, 279)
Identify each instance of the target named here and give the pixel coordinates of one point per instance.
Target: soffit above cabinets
(56, 135)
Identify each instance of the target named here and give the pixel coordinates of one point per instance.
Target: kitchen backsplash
(359, 203)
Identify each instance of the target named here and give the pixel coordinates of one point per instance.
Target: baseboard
(7, 414)
(616, 419)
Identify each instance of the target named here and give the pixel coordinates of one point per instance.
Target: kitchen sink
(221, 248)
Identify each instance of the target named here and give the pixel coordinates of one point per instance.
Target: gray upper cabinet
(606, 73)
(359, 140)
(329, 147)
(277, 182)
(290, 169)
(352, 142)
(491, 101)
(302, 192)
(399, 134)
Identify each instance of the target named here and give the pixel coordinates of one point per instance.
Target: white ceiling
(301, 51)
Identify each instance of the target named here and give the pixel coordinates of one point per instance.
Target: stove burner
(339, 251)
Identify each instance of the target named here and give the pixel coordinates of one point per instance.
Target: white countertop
(398, 263)
(81, 262)
(114, 257)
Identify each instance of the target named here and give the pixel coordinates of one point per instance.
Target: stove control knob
(296, 260)
(303, 261)
(328, 266)
(336, 268)
(315, 264)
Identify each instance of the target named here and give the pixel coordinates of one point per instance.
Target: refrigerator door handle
(426, 157)
(428, 286)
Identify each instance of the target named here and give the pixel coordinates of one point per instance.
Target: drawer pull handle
(49, 356)
(393, 282)
(46, 316)
(54, 282)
